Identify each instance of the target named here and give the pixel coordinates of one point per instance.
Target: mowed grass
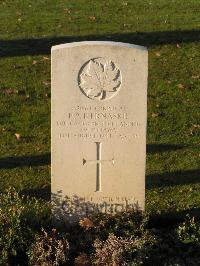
(170, 30)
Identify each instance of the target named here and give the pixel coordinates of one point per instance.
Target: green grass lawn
(170, 30)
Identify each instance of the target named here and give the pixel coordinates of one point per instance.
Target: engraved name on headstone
(99, 109)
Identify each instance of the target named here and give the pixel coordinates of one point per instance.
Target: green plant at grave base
(102, 239)
(121, 251)
(100, 226)
(121, 224)
(11, 231)
(48, 249)
(20, 219)
(189, 231)
(114, 244)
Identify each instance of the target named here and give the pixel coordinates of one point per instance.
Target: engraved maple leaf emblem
(100, 79)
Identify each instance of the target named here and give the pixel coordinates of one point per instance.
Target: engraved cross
(98, 162)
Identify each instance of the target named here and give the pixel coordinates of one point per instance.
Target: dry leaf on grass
(154, 115)
(67, 10)
(46, 58)
(18, 136)
(92, 18)
(157, 54)
(46, 83)
(8, 91)
(180, 86)
(194, 128)
(196, 77)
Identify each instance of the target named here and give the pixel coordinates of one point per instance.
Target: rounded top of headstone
(109, 43)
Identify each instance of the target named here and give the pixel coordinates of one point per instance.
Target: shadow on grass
(42, 46)
(39, 193)
(155, 148)
(44, 159)
(35, 160)
(172, 218)
(173, 178)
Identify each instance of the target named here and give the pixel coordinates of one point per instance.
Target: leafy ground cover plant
(27, 237)
(20, 220)
(48, 249)
(12, 233)
(189, 231)
(121, 251)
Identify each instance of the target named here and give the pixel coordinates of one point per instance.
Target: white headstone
(99, 113)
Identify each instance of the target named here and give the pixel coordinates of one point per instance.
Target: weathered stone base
(69, 210)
